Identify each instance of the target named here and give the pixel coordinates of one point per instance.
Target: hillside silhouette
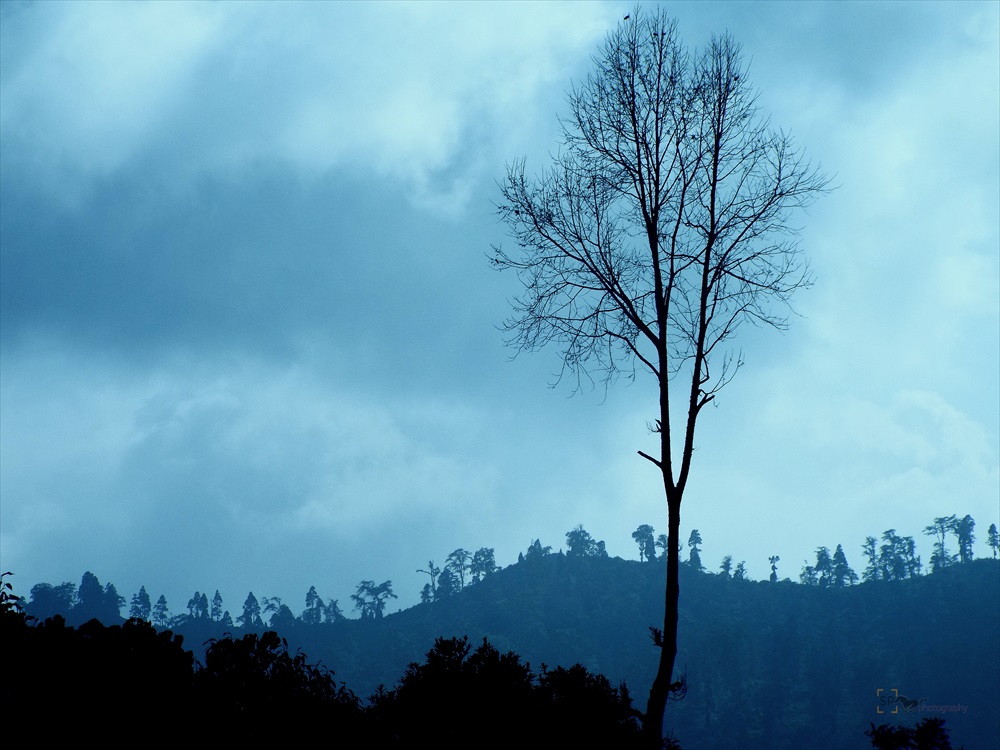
(767, 664)
(777, 665)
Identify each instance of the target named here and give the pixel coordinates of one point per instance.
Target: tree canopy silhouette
(929, 734)
(643, 536)
(370, 599)
(485, 698)
(659, 230)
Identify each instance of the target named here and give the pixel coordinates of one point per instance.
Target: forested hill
(768, 664)
(775, 665)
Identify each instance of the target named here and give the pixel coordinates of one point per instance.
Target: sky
(249, 332)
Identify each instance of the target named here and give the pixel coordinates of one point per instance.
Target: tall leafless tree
(661, 227)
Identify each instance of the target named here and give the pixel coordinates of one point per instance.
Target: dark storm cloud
(254, 263)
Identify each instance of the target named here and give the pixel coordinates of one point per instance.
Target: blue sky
(249, 331)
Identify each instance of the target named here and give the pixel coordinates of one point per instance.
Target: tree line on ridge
(892, 558)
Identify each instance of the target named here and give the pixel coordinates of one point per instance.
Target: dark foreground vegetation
(64, 685)
(929, 734)
(771, 664)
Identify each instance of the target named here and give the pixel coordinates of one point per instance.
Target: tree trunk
(659, 693)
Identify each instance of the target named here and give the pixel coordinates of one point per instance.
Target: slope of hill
(768, 665)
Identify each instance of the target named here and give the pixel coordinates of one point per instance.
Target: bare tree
(661, 227)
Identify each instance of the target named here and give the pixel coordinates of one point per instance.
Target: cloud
(100, 79)
(195, 466)
(266, 265)
(390, 92)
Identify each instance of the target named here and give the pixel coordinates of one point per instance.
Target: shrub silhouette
(66, 684)
(246, 684)
(929, 734)
(487, 699)
(61, 682)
